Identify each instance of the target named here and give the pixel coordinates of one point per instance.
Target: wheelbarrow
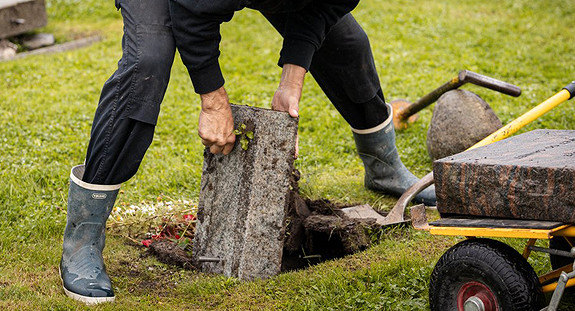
(396, 215)
(487, 274)
(484, 274)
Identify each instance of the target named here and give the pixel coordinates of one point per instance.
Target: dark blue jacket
(196, 27)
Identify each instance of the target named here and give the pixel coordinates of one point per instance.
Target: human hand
(216, 124)
(288, 94)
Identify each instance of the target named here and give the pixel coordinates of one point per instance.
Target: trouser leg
(129, 105)
(345, 70)
(121, 133)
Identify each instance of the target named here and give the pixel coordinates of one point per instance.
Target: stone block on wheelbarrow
(529, 176)
(244, 197)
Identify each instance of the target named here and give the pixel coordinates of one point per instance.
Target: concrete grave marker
(20, 16)
(244, 197)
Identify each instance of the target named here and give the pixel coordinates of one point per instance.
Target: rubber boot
(82, 266)
(384, 171)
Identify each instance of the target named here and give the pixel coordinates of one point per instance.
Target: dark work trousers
(345, 70)
(129, 105)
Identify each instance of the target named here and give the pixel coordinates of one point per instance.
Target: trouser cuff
(76, 176)
(380, 126)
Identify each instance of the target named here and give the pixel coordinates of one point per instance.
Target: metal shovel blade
(396, 213)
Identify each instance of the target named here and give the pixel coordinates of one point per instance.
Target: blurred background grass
(47, 103)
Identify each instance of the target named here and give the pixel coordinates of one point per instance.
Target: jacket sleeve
(306, 29)
(196, 28)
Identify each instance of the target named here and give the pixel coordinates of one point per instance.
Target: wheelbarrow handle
(571, 89)
(528, 117)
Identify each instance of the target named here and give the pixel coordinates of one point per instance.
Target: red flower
(147, 243)
(189, 217)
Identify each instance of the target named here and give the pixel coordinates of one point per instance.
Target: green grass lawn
(47, 103)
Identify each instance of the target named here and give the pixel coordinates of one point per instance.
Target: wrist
(292, 76)
(215, 100)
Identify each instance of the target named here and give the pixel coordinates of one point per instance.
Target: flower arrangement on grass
(147, 222)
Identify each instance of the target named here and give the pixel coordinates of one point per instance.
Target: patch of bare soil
(145, 279)
(172, 245)
(315, 231)
(171, 253)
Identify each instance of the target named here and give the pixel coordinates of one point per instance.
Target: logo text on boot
(99, 196)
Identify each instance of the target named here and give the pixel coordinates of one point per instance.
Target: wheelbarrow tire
(559, 243)
(488, 270)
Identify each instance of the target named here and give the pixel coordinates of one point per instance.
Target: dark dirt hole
(314, 231)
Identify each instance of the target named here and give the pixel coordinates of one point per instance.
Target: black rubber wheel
(484, 272)
(562, 244)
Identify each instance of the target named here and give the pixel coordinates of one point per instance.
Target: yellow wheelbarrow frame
(419, 222)
(554, 281)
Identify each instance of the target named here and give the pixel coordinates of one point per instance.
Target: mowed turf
(47, 103)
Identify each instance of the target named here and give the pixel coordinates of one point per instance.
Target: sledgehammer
(404, 111)
(568, 92)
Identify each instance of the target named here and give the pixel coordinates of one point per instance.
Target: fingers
(216, 123)
(293, 112)
(284, 101)
(289, 90)
(221, 146)
(215, 149)
(229, 145)
(292, 106)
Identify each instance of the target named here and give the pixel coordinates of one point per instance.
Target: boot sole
(88, 300)
(85, 299)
